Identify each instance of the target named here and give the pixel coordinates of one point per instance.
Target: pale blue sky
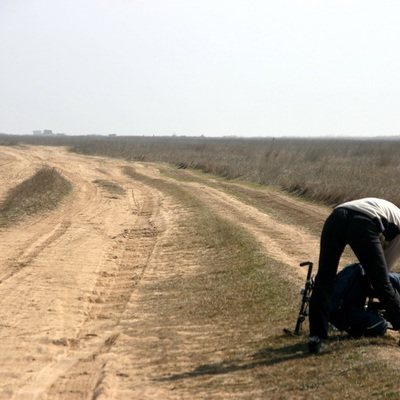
(211, 67)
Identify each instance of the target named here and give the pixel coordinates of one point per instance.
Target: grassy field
(325, 170)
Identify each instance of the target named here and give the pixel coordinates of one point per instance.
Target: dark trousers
(346, 227)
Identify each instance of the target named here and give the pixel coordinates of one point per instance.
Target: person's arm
(386, 293)
(390, 299)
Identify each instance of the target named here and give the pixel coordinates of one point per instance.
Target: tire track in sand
(81, 371)
(67, 274)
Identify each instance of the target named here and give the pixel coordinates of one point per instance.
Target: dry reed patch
(41, 192)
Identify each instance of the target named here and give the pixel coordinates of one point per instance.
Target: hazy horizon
(213, 68)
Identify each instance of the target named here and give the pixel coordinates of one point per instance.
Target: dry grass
(243, 299)
(325, 170)
(239, 298)
(330, 171)
(41, 192)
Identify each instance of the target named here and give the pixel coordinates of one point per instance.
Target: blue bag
(348, 306)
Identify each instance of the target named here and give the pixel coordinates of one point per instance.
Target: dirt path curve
(285, 229)
(71, 281)
(66, 277)
(279, 240)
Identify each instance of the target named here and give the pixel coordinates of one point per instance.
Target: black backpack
(351, 288)
(348, 308)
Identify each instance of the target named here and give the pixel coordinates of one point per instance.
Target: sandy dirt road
(76, 310)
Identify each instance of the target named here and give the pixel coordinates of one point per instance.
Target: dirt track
(76, 311)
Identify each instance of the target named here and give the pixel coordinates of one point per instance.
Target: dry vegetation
(41, 192)
(325, 170)
(243, 299)
(239, 291)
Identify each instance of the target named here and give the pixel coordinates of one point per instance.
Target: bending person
(371, 227)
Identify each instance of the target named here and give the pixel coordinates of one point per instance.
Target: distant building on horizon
(46, 132)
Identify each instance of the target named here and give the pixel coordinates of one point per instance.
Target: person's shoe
(315, 345)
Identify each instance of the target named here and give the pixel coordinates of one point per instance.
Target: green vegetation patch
(41, 192)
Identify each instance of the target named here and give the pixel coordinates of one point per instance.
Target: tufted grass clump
(41, 192)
